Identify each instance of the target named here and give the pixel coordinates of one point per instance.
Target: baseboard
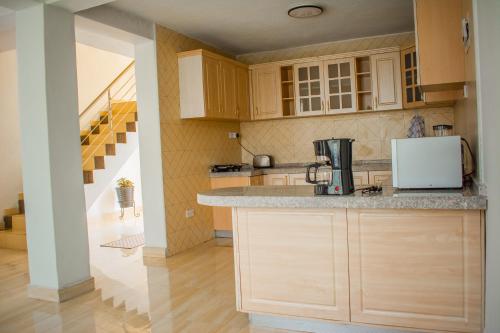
(316, 326)
(154, 252)
(63, 294)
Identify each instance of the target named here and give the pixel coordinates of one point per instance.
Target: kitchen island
(400, 259)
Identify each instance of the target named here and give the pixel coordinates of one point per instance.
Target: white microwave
(432, 162)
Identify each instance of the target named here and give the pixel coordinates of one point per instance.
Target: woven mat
(128, 242)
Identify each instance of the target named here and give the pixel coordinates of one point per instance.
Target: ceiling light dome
(305, 11)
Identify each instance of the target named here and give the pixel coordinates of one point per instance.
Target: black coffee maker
(332, 173)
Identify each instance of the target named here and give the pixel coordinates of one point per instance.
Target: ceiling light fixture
(305, 11)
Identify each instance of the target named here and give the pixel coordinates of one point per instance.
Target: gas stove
(226, 167)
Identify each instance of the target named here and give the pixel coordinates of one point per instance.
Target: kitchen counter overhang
(303, 197)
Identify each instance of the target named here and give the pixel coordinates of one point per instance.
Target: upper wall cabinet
(212, 86)
(386, 81)
(440, 49)
(309, 88)
(266, 92)
(339, 85)
(413, 97)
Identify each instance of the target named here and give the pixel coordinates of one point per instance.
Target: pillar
(57, 236)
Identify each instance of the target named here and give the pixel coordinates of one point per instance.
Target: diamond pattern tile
(189, 147)
(372, 131)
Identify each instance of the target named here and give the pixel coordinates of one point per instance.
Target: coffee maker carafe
(332, 173)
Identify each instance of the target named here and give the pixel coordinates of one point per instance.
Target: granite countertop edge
(472, 202)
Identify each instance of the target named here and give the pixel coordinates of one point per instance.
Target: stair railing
(122, 88)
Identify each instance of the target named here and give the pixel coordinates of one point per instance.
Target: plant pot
(125, 196)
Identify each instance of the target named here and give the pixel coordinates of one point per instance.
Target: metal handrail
(106, 90)
(109, 115)
(112, 133)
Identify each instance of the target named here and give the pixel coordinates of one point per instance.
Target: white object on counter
(432, 162)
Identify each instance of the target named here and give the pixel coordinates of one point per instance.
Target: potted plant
(125, 193)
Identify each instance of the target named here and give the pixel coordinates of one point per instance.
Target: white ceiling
(244, 26)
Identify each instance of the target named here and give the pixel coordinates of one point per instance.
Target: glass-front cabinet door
(309, 88)
(339, 85)
(412, 96)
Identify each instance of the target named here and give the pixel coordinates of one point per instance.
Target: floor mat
(128, 242)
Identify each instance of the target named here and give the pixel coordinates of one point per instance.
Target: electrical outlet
(234, 135)
(189, 213)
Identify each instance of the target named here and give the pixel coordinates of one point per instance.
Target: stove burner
(226, 167)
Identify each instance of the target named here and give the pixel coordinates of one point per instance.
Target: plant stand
(126, 200)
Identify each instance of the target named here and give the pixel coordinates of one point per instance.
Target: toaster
(263, 161)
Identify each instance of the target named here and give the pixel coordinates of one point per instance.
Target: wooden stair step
(110, 149)
(121, 137)
(88, 177)
(19, 223)
(13, 240)
(131, 127)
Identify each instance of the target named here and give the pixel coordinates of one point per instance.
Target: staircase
(104, 124)
(13, 235)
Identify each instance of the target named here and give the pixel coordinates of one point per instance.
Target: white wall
(10, 136)
(107, 203)
(487, 32)
(96, 69)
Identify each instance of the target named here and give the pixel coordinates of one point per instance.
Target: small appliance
(332, 172)
(263, 161)
(430, 162)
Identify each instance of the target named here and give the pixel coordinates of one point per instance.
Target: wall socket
(189, 213)
(234, 135)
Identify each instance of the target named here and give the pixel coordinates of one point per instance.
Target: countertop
(292, 168)
(302, 196)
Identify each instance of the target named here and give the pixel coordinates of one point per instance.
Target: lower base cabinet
(222, 216)
(293, 262)
(415, 269)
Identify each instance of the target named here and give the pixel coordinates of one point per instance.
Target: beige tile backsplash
(189, 147)
(290, 140)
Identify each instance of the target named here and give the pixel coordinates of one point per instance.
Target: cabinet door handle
(376, 102)
(322, 105)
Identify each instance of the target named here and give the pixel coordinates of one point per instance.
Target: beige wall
(189, 147)
(343, 46)
(290, 140)
(466, 109)
(96, 69)
(10, 137)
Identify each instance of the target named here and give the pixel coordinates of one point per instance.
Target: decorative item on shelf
(125, 193)
(417, 127)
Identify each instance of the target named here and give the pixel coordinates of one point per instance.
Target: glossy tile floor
(190, 292)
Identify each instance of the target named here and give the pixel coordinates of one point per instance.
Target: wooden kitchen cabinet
(292, 262)
(420, 269)
(440, 50)
(309, 88)
(228, 90)
(276, 179)
(297, 179)
(222, 215)
(266, 92)
(386, 81)
(339, 76)
(413, 97)
(242, 98)
(209, 87)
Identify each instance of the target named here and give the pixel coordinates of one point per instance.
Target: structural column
(58, 250)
